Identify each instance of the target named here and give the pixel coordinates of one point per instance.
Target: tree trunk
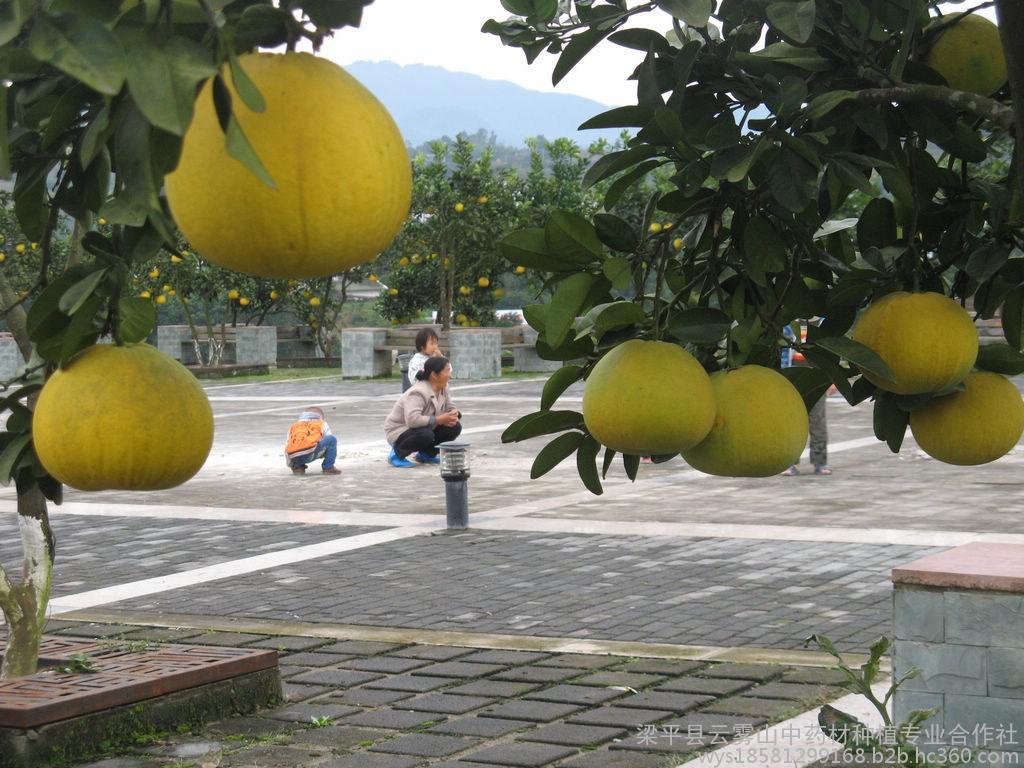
(1010, 14)
(24, 604)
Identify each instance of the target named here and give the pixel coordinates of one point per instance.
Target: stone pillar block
(475, 353)
(11, 362)
(959, 618)
(169, 339)
(360, 357)
(526, 359)
(256, 345)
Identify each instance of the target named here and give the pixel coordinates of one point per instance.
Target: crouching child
(310, 439)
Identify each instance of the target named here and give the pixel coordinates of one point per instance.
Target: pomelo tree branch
(981, 106)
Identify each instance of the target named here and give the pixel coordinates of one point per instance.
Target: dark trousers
(424, 439)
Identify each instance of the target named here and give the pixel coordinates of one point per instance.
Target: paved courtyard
(706, 572)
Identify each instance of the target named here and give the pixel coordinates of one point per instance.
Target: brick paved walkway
(357, 704)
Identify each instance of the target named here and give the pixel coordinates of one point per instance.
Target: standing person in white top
(426, 347)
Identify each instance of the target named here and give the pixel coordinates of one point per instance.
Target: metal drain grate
(122, 676)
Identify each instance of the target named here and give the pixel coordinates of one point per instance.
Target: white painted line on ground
(917, 538)
(795, 743)
(301, 380)
(246, 565)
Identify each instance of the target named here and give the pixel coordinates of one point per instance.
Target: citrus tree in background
(445, 256)
(102, 101)
(769, 117)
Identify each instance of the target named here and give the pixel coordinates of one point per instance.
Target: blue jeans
(327, 449)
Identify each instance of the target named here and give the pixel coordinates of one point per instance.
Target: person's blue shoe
(396, 461)
(426, 458)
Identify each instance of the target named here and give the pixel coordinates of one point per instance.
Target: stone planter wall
(525, 357)
(958, 616)
(11, 361)
(244, 345)
(475, 353)
(362, 355)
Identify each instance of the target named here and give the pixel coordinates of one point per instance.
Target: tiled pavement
(666, 589)
(359, 704)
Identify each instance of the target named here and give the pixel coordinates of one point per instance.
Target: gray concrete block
(918, 614)
(1006, 673)
(985, 618)
(359, 356)
(475, 353)
(986, 721)
(905, 702)
(945, 668)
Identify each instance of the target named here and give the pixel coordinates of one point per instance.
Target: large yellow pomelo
(760, 426)
(975, 426)
(648, 398)
(969, 54)
(342, 174)
(928, 341)
(126, 417)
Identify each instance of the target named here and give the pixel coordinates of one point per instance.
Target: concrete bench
(243, 345)
(475, 353)
(959, 617)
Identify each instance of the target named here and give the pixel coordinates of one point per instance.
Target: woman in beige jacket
(423, 417)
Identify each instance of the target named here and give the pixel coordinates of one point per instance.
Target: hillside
(430, 102)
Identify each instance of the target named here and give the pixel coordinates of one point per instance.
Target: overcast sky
(446, 33)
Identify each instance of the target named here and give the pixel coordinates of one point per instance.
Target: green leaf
(792, 180)
(890, 422)
(44, 316)
(606, 463)
(734, 163)
(1013, 318)
(609, 317)
(859, 354)
(541, 423)
(586, 464)
(806, 58)
(82, 47)
(877, 225)
(75, 296)
(631, 464)
(793, 19)
(528, 247)
(577, 48)
(163, 74)
(571, 237)
(1000, 358)
(244, 86)
(620, 117)
(552, 454)
(30, 203)
(262, 26)
(619, 271)
(821, 105)
(986, 260)
(701, 325)
(557, 383)
(617, 233)
(534, 314)
(641, 39)
(235, 140)
(764, 248)
(564, 306)
(81, 332)
(137, 318)
(12, 17)
(12, 453)
(626, 180)
(694, 13)
(811, 383)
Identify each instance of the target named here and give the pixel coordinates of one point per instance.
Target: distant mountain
(430, 102)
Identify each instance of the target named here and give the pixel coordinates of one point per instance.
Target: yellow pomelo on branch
(342, 175)
(760, 425)
(928, 341)
(129, 418)
(648, 398)
(969, 54)
(975, 426)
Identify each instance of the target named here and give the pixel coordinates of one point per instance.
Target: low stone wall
(525, 357)
(958, 616)
(475, 353)
(12, 363)
(362, 355)
(244, 344)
